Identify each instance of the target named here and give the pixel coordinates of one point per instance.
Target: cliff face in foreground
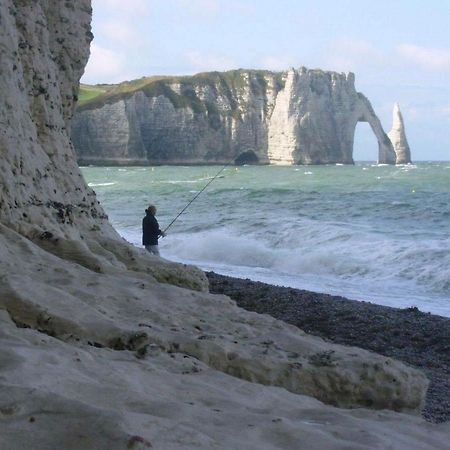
(103, 346)
(245, 116)
(44, 48)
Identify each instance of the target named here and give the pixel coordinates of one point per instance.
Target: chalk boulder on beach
(104, 346)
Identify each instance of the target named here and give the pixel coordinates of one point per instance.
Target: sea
(368, 232)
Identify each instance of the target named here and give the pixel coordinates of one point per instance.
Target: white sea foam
(317, 265)
(188, 181)
(179, 181)
(341, 231)
(101, 184)
(407, 166)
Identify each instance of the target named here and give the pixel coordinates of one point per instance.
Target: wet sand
(419, 339)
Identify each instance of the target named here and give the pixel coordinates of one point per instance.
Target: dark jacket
(150, 230)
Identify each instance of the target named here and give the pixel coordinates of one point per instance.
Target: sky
(399, 51)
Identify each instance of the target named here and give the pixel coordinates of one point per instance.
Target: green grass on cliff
(224, 84)
(87, 92)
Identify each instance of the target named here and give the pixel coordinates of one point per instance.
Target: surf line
(198, 193)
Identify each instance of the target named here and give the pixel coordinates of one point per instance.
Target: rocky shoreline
(419, 339)
(104, 346)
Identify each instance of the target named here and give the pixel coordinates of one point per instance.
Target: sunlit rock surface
(242, 116)
(397, 136)
(315, 117)
(103, 346)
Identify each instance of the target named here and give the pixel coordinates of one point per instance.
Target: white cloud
(104, 66)
(213, 8)
(208, 62)
(350, 55)
(118, 43)
(244, 9)
(208, 7)
(427, 58)
(121, 33)
(415, 113)
(278, 63)
(125, 7)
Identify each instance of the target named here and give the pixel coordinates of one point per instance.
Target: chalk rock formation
(209, 118)
(43, 195)
(114, 360)
(249, 116)
(315, 117)
(397, 136)
(103, 346)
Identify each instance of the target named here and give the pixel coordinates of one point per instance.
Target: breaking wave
(100, 184)
(376, 233)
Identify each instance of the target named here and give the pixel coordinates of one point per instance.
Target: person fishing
(151, 231)
(150, 226)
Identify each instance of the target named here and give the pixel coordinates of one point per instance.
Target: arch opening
(365, 144)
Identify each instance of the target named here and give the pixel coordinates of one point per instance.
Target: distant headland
(299, 116)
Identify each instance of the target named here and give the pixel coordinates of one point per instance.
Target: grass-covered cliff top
(182, 90)
(88, 92)
(225, 83)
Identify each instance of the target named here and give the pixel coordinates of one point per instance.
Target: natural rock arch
(301, 116)
(365, 144)
(386, 153)
(315, 117)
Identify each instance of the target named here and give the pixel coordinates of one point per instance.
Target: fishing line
(198, 193)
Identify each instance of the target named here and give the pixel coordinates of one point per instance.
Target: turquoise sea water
(368, 232)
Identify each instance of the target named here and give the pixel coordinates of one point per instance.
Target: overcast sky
(398, 49)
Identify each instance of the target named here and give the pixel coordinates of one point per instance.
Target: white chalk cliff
(314, 120)
(250, 116)
(398, 138)
(103, 346)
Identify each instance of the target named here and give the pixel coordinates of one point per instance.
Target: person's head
(151, 210)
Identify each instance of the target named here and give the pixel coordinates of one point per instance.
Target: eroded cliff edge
(106, 347)
(245, 116)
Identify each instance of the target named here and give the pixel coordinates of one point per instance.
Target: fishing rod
(198, 193)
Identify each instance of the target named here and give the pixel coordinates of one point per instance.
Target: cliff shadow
(248, 157)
